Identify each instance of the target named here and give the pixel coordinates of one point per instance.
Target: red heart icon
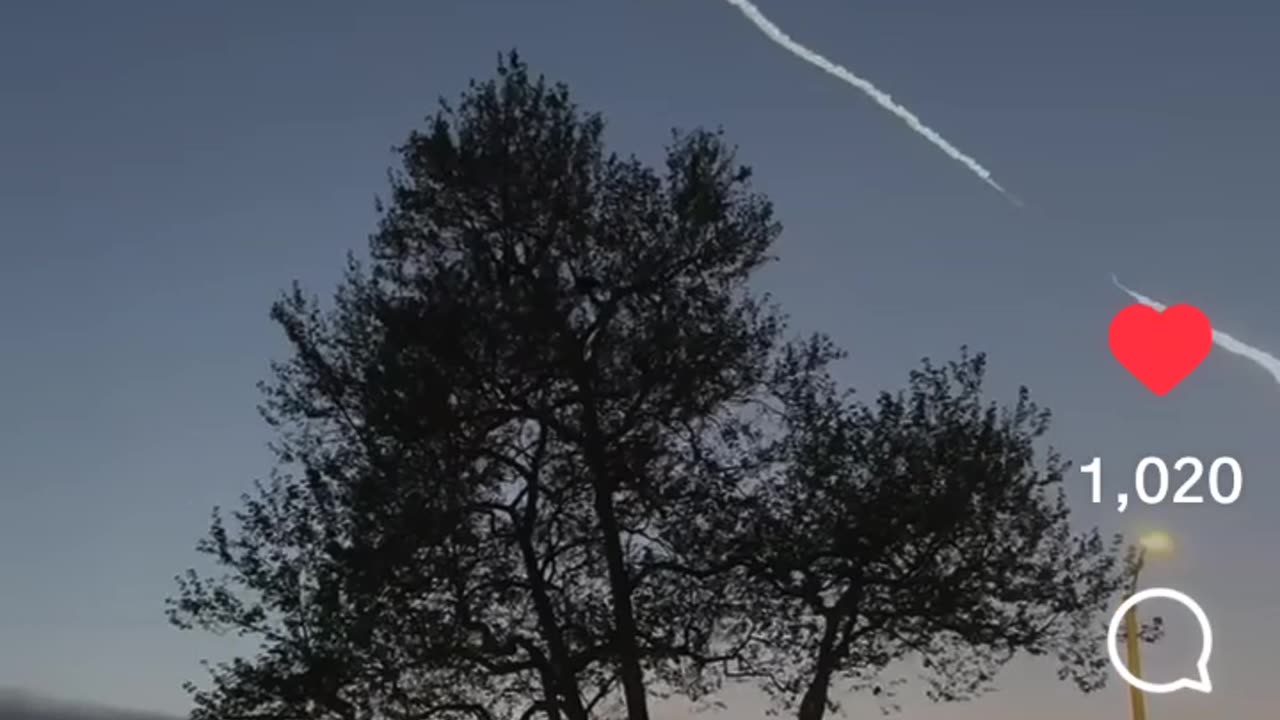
(1160, 348)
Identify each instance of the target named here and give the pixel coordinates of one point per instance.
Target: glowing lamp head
(1157, 543)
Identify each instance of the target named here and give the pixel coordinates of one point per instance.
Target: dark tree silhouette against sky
(545, 454)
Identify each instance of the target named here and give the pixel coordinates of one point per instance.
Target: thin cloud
(1263, 359)
(882, 98)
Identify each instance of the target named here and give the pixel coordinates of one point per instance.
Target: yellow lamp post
(1158, 543)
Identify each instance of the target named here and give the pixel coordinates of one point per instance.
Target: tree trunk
(565, 693)
(630, 671)
(813, 706)
(605, 480)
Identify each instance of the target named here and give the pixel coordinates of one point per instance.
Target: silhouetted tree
(918, 529)
(545, 452)
(486, 440)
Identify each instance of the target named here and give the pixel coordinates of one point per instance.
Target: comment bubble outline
(1202, 683)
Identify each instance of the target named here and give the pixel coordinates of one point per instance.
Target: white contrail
(1266, 360)
(882, 98)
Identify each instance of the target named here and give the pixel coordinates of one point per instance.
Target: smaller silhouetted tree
(918, 529)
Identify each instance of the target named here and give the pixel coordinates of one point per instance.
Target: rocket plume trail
(882, 98)
(1265, 360)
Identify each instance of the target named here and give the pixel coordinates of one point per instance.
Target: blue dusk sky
(166, 169)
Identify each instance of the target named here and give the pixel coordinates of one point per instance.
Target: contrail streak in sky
(882, 98)
(1266, 360)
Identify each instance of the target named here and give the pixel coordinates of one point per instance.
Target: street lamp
(1159, 542)
(1156, 543)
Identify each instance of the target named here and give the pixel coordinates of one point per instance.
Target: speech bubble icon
(1200, 683)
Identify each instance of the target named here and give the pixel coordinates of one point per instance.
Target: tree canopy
(546, 454)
